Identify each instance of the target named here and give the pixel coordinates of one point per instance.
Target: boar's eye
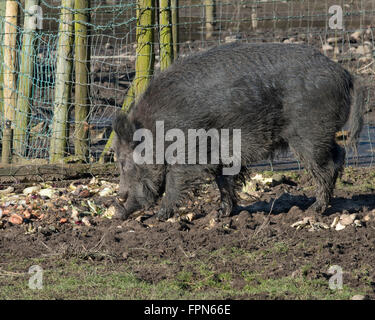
(121, 163)
(125, 165)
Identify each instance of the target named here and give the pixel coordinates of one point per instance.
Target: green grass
(79, 279)
(296, 288)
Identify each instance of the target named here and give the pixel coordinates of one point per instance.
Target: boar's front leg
(179, 180)
(174, 184)
(227, 186)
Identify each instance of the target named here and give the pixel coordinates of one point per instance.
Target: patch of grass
(184, 279)
(294, 288)
(352, 181)
(305, 269)
(301, 245)
(364, 274)
(363, 186)
(77, 279)
(203, 278)
(278, 248)
(86, 281)
(166, 262)
(245, 254)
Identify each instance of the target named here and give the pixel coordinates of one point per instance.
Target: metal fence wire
(66, 66)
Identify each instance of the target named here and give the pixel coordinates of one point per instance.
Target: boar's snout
(123, 196)
(122, 210)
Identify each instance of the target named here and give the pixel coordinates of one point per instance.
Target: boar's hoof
(225, 210)
(318, 207)
(164, 214)
(121, 212)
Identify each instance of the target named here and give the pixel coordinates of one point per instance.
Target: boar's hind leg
(324, 166)
(227, 186)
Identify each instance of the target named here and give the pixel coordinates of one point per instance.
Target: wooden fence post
(144, 66)
(25, 80)
(166, 47)
(63, 82)
(82, 68)
(9, 90)
(2, 24)
(210, 7)
(175, 28)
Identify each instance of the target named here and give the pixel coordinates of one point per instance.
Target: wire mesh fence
(68, 65)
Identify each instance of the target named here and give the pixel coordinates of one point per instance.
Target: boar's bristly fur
(279, 95)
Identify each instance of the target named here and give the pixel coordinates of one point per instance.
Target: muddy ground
(255, 254)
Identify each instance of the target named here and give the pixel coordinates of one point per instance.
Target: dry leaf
(110, 212)
(7, 190)
(15, 219)
(48, 193)
(106, 192)
(86, 221)
(31, 190)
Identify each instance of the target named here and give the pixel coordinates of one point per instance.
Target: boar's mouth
(122, 199)
(121, 202)
(121, 211)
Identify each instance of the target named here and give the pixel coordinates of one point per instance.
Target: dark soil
(262, 225)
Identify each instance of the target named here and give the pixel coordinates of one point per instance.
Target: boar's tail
(357, 111)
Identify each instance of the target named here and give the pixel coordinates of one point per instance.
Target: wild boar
(276, 95)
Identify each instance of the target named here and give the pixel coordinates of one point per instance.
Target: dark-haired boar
(276, 95)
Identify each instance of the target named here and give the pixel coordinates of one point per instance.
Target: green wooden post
(166, 51)
(144, 66)
(25, 78)
(82, 67)
(63, 82)
(9, 78)
(175, 28)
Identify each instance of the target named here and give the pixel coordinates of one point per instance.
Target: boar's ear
(123, 127)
